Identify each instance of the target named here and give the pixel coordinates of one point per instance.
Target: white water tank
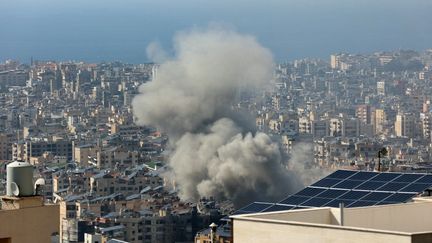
(19, 179)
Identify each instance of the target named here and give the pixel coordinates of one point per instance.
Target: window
(70, 207)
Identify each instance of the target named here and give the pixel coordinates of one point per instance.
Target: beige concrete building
(85, 153)
(104, 184)
(23, 151)
(47, 158)
(334, 61)
(364, 114)
(320, 128)
(405, 125)
(6, 146)
(19, 151)
(93, 238)
(425, 119)
(27, 219)
(13, 77)
(108, 158)
(124, 129)
(396, 223)
(381, 88)
(305, 125)
(380, 119)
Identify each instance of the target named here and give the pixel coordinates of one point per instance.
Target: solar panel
(336, 202)
(408, 178)
(416, 187)
(326, 182)
(363, 175)
(400, 197)
(385, 177)
(332, 193)
(240, 212)
(310, 192)
(294, 200)
(371, 185)
(392, 186)
(354, 195)
(362, 203)
(341, 174)
(256, 207)
(300, 207)
(377, 196)
(348, 184)
(425, 179)
(278, 207)
(354, 189)
(316, 202)
(385, 203)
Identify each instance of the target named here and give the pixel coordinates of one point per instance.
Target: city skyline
(167, 121)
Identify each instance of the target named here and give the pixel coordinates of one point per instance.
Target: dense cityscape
(74, 122)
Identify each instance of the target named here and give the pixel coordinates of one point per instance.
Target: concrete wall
(386, 217)
(397, 223)
(412, 217)
(254, 231)
(35, 224)
(318, 216)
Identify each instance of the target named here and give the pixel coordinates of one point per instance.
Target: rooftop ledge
(398, 219)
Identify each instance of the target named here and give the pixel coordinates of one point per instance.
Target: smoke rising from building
(300, 160)
(215, 151)
(156, 53)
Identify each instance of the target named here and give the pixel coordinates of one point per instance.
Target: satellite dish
(40, 181)
(38, 186)
(15, 189)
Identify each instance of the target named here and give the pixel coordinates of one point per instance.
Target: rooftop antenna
(382, 152)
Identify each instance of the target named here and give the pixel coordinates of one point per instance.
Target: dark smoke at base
(223, 163)
(215, 153)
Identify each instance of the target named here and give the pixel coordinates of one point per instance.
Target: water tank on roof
(19, 182)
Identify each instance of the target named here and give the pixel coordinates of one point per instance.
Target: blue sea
(111, 30)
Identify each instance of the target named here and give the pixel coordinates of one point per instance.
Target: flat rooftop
(405, 218)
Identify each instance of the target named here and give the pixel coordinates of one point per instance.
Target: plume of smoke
(215, 152)
(156, 53)
(301, 161)
(199, 86)
(224, 163)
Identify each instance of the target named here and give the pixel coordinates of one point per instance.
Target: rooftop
(403, 222)
(353, 189)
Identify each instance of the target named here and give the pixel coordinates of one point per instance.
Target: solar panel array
(353, 188)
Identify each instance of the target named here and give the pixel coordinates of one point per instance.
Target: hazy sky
(96, 30)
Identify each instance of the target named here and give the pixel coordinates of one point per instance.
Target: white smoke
(156, 53)
(301, 161)
(215, 152)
